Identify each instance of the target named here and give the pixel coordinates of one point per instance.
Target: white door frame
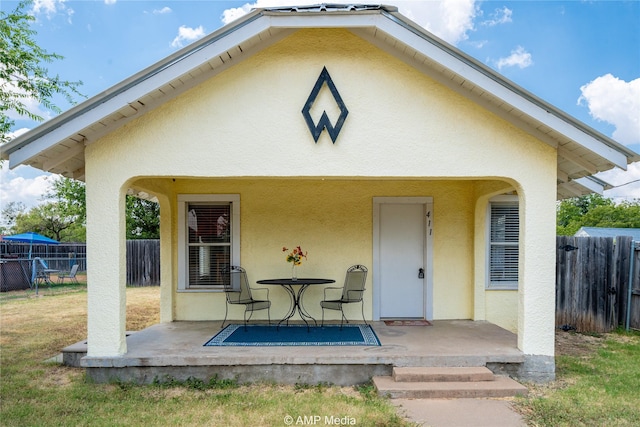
(428, 250)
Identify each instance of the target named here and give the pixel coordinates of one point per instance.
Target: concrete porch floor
(175, 350)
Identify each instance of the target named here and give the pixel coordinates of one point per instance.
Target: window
(209, 237)
(504, 234)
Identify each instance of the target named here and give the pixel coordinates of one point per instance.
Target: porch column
(536, 295)
(106, 265)
(167, 290)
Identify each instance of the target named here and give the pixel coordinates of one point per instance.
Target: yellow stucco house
(426, 159)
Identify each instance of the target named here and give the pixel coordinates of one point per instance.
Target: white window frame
(510, 285)
(183, 203)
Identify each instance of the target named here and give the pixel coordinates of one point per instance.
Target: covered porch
(175, 350)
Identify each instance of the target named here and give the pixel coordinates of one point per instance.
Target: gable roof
(58, 145)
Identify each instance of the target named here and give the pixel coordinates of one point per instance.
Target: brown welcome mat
(407, 323)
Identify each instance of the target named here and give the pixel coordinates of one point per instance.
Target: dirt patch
(572, 344)
(58, 377)
(577, 345)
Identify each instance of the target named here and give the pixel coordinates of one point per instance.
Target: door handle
(421, 273)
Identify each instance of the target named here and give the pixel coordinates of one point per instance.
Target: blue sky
(581, 56)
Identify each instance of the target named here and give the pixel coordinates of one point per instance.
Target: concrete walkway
(460, 412)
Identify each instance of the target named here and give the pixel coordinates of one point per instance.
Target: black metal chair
(237, 291)
(352, 292)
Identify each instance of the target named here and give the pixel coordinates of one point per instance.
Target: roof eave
(620, 155)
(81, 109)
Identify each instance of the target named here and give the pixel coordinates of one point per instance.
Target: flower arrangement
(295, 256)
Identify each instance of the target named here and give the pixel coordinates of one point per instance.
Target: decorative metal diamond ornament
(324, 122)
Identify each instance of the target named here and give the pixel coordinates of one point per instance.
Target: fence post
(632, 257)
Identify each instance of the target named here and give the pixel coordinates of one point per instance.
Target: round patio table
(296, 297)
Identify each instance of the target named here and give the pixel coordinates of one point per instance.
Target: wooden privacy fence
(597, 283)
(143, 262)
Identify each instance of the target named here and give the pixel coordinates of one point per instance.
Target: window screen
(504, 251)
(208, 243)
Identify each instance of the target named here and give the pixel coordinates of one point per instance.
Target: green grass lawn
(34, 392)
(597, 386)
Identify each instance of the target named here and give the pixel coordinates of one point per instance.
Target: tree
(69, 194)
(570, 212)
(143, 216)
(22, 77)
(595, 210)
(9, 214)
(50, 220)
(623, 215)
(64, 216)
(57, 221)
(143, 219)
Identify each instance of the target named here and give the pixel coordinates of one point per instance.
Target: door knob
(421, 273)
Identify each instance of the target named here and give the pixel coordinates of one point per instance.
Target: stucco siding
(106, 301)
(332, 219)
(217, 128)
(501, 310)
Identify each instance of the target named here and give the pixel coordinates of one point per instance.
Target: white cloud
(448, 19)
(187, 35)
(23, 184)
(478, 44)
(519, 57)
(47, 7)
(162, 11)
(617, 102)
(230, 15)
(499, 16)
(110, 1)
(50, 8)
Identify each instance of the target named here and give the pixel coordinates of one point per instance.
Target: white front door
(402, 241)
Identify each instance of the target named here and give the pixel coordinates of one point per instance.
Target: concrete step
(499, 387)
(439, 374)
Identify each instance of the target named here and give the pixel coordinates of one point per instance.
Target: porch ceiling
(58, 145)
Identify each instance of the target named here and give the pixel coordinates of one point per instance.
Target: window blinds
(504, 252)
(209, 243)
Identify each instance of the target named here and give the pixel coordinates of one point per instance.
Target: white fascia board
(590, 184)
(329, 20)
(136, 90)
(466, 68)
